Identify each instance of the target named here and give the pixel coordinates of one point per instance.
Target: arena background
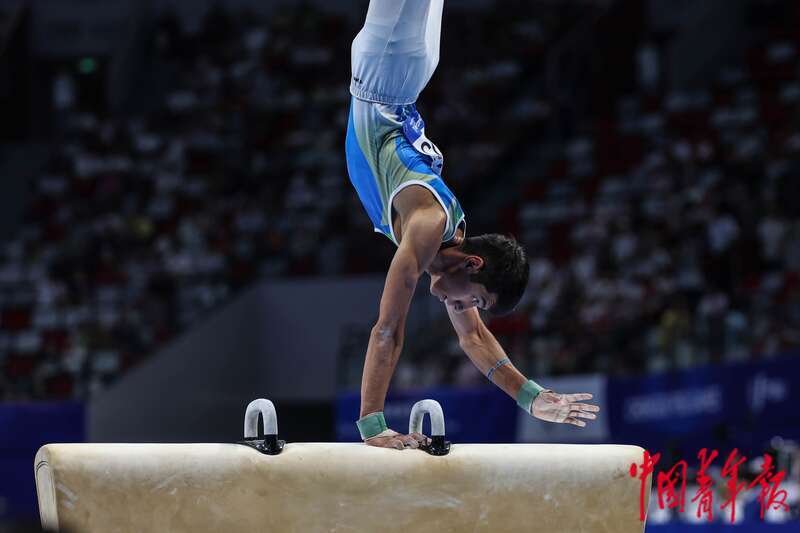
(179, 235)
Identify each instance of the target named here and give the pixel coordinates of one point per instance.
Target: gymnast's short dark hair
(505, 268)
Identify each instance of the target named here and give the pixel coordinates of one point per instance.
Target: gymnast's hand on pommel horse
(397, 172)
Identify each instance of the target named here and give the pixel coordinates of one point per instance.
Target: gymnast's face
(455, 289)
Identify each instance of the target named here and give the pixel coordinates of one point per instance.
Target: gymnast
(396, 171)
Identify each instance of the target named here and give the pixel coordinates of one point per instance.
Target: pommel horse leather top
(338, 487)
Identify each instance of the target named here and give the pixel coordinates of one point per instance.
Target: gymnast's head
(487, 271)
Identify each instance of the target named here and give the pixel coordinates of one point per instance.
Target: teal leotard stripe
(381, 162)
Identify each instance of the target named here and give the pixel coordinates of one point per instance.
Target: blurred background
(178, 234)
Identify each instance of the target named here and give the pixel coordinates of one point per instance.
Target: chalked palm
(563, 408)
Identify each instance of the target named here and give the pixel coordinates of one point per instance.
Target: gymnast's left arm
(489, 357)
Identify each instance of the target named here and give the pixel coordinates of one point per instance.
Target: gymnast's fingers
(575, 421)
(577, 397)
(410, 442)
(585, 407)
(582, 414)
(422, 439)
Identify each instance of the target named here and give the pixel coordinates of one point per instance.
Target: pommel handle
(270, 445)
(438, 445)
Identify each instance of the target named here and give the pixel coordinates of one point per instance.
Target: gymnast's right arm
(420, 243)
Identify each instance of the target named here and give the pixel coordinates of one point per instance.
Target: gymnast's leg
(396, 52)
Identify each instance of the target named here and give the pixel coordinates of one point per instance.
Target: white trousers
(396, 52)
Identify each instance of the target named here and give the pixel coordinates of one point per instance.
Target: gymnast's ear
(473, 264)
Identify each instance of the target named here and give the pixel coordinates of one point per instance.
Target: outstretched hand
(563, 408)
(393, 439)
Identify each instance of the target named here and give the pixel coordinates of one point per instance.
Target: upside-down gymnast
(396, 171)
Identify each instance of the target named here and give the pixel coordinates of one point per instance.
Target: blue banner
(480, 415)
(722, 406)
(24, 428)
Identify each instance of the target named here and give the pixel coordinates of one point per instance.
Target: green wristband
(371, 424)
(527, 393)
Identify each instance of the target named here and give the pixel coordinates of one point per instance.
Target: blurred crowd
(666, 232)
(661, 236)
(140, 224)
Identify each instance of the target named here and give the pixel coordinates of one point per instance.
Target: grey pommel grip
(270, 445)
(267, 410)
(438, 445)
